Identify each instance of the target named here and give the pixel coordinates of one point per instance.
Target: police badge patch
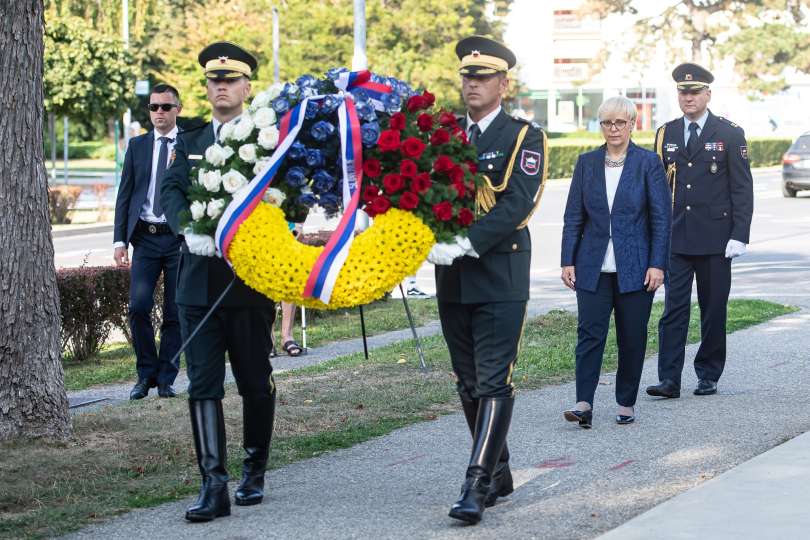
(744, 152)
(530, 162)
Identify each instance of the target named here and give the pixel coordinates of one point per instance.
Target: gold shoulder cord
(540, 189)
(671, 169)
(485, 197)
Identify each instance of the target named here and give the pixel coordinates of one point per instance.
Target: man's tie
(219, 128)
(475, 132)
(692, 144)
(163, 159)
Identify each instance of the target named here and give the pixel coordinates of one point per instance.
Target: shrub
(61, 200)
(82, 150)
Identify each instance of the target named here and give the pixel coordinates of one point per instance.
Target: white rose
(211, 181)
(275, 90)
(268, 138)
(264, 117)
(227, 151)
(215, 207)
(247, 152)
(243, 128)
(233, 180)
(260, 165)
(197, 210)
(226, 131)
(215, 155)
(262, 99)
(274, 196)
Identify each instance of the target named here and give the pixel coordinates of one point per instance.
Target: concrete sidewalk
(571, 483)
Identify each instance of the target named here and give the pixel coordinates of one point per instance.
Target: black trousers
(713, 275)
(631, 312)
(245, 335)
(152, 255)
(484, 341)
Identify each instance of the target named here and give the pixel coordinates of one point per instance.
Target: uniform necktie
(475, 132)
(219, 128)
(692, 144)
(163, 159)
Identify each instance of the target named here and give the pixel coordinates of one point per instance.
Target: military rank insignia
(671, 147)
(490, 155)
(715, 146)
(530, 162)
(744, 151)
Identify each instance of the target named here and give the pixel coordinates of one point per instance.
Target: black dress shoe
(622, 419)
(140, 390)
(665, 389)
(166, 390)
(706, 387)
(585, 418)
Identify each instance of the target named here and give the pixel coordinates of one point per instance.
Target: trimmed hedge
(82, 150)
(563, 154)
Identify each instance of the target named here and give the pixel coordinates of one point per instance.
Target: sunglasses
(618, 124)
(162, 106)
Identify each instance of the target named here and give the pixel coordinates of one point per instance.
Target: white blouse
(612, 176)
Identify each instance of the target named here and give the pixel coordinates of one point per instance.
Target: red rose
(408, 201)
(421, 183)
(440, 136)
(456, 174)
(398, 121)
(443, 211)
(415, 103)
(408, 168)
(371, 168)
(370, 192)
(425, 122)
(443, 163)
(447, 119)
(389, 140)
(465, 217)
(412, 147)
(393, 183)
(460, 134)
(380, 205)
(472, 167)
(460, 189)
(428, 98)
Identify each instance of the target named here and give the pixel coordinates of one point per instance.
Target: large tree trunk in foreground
(32, 392)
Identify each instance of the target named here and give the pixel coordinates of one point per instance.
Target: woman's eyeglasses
(166, 107)
(618, 124)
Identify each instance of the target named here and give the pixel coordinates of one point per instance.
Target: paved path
(572, 483)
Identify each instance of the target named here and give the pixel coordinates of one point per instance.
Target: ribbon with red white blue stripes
(362, 79)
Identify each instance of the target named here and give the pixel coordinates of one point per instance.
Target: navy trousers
(631, 312)
(153, 255)
(713, 275)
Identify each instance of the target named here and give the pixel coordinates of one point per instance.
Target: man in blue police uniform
(240, 326)
(706, 159)
(482, 281)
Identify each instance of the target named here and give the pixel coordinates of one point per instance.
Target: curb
(79, 230)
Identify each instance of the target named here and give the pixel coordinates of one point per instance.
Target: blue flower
(404, 90)
(291, 90)
(297, 151)
(322, 130)
(315, 158)
(377, 78)
(322, 181)
(329, 202)
(359, 95)
(392, 103)
(330, 104)
(371, 132)
(307, 199)
(305, 81)
(311, 111)
(335, 72)
(296, 177)
(366, 112)
(280, 105)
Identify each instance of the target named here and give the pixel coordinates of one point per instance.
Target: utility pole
(125, 35)
(359, 60)
(276, 76)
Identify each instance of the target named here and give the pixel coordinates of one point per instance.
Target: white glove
(445, 254)
(200, 244)
(734, 248)
(465, 244)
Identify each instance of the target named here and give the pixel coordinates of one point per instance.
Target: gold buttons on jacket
(489, 166)
(514, 247)
(689, 164)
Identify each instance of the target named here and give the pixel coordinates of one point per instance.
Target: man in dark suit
(242, 323)
(140, 221)
(483, 293)
(706, 159)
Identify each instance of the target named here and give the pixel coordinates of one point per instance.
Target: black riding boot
(502, 484)
(257, 416)
(208, 426)
(491, 428)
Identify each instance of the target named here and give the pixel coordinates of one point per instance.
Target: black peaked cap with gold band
(226, 60)
(480, 55)
(690, 76)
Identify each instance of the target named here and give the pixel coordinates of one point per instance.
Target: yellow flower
(267, 257)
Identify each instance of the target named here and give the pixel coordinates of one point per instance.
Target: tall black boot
(208, 426)
(257, 414)
(491, 428)
(502, 484)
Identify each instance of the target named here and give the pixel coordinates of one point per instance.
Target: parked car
(796, 166)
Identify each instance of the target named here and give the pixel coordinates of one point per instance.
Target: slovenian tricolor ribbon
(362, 79)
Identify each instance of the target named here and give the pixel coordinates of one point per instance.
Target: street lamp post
(276, 75)
(125, 35)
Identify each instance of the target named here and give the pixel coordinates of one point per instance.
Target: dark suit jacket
(134, 186)
(639, 222)
(200, 280)
(714, 189)
(501, 273)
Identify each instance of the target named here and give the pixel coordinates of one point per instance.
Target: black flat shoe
(622, 419)
(665, 389)
(584, 418)
(706, 387)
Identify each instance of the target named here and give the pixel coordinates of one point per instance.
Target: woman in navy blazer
(615, 248)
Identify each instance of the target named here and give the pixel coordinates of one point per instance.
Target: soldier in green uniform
(240, 326)
(482, 282)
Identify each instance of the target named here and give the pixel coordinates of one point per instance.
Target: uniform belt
(153, 228)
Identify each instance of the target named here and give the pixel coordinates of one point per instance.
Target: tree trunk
(32, 392)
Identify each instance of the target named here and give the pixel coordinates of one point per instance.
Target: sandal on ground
(292, 348)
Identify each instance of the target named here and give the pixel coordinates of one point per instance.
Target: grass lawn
(116, 362)
(140, 454)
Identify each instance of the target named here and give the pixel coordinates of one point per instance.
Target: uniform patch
(744, 151)
(195, 156)
(715, 146)
(530, 162)
(671, 147)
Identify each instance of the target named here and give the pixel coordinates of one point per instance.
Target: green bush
(83, 150)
